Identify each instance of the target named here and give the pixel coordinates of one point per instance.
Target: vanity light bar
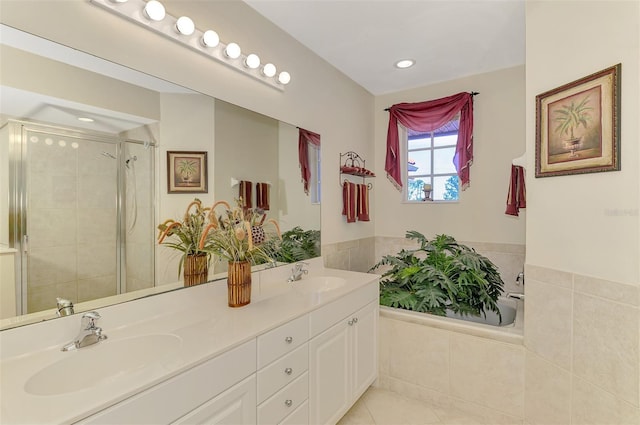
(133, 10)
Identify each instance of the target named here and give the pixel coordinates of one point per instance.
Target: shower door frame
(18, 199)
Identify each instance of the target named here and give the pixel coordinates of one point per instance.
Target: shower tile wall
(139, 219)
(71, 221)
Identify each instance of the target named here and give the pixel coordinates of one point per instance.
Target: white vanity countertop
(199, 316)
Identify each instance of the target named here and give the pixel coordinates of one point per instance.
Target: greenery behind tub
(438, 276)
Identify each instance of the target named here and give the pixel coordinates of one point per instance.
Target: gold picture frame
(186, 172)
(578, 126)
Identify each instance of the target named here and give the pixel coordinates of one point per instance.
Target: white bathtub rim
(509, 334)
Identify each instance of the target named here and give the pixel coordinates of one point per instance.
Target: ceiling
(448, 39)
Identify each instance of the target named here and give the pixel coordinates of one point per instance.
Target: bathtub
(453, 361)
(509, 330)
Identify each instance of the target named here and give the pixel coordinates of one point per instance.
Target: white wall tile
(593, 406)
(547, 398)
(548, 319)
(606, 344)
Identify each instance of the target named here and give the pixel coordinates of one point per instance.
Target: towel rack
(353, 164)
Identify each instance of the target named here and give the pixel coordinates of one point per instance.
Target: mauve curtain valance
(304, 138)
(429, 116)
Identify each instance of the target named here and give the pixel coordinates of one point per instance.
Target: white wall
(319, 97)
(585, 223)
(498, 138)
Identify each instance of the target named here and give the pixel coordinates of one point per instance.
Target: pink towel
(262, 196)
(516, 198)
(245, 193)
(349, 201)
(363, 202)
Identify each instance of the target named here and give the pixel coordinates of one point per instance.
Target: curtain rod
(473, 93)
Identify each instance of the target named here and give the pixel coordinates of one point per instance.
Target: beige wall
(498, 138)
(582, 314)
(319, 98)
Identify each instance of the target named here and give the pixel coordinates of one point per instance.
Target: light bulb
(119, 1)
(154, 10)
(252, 61)
(405, 63)
(232, 51)
(210, 38)
(269, 70)
(284, 77)
(185, 25)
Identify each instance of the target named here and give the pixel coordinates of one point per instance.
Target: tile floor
(382, 407)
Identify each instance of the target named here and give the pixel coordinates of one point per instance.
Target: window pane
(445, 140)
(445, 188)
(419, 143)
(443, 161)
(414, 189)
(419, 163)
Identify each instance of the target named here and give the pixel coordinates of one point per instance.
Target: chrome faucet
(89, 333)
(297, 271)
(64, 306)
(515, 296)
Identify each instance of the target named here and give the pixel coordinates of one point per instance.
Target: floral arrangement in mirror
(185, 236)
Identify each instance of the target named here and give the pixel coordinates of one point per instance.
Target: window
(314, 167)
(430, 161)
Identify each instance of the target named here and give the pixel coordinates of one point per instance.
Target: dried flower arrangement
(233, 234)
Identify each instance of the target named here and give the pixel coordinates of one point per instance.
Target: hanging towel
(245, 193)
(363, 202)
(349, 201)
(516, 197)
(262, 196)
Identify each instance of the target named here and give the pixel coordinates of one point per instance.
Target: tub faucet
(89, 333)
(515, 296)
(297, 271)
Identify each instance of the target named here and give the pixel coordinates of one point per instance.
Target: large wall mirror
(83, 145)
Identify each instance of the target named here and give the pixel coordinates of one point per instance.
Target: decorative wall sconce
(152, 15)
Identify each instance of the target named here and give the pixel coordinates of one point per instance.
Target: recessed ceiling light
(405, 63)
(85, 119)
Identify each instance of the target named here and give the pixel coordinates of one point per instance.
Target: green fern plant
(438, 276)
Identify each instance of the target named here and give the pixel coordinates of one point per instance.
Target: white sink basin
(319, 284)
(102, 362)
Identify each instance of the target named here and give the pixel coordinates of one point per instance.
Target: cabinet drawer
(282, 340)
(299, 417)
(285, 401)
(330, 314)
(282, 371)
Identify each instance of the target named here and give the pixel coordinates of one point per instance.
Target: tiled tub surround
(582, 357)
(199, 316)
(451, 363)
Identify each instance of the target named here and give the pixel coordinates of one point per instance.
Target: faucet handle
(89, 319)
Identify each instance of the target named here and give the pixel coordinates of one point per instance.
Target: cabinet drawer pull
(288, 403)
(288, 371)
(288, 339)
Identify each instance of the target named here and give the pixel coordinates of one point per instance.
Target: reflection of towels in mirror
(245, 193)
(516, 198)
(262, 196)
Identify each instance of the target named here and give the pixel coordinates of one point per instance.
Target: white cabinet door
(343, 363)
(365, 348)
(235, 406)
(329, 382)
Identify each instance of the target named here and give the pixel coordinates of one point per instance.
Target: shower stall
(81, 214)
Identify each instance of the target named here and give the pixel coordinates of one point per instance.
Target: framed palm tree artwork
(186, 172)
(578, 126)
